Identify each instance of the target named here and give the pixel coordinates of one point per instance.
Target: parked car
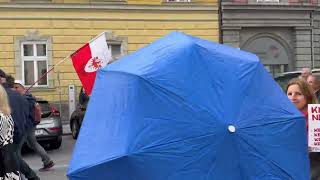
(78, 115)
(49, 130)
(283, 78)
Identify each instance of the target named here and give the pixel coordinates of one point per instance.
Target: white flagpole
(97, 36)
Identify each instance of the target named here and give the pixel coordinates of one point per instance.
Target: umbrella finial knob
(231, 128)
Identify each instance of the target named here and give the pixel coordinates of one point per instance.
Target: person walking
(31, 138)
(301, 94)
(314, 83)
(83, 98)
(9, 168)
(19, 113)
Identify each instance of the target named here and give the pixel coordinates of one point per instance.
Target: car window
(45, 106)
(283, 80)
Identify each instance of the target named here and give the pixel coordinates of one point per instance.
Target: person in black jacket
(18, 117)
(31, 137)
(20, 110)
(83, 98)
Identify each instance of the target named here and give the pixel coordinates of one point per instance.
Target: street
(61, 158)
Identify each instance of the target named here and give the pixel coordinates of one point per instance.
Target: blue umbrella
(183, 108)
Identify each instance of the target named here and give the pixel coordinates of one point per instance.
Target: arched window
(272, 51)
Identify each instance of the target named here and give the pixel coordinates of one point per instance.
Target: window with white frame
(31, 1)
(34, 63)
(178, 0)
(108, 1)
(268, 1)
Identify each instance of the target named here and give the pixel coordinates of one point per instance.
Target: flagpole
(97, 36)
(43, 75)
(89, 42)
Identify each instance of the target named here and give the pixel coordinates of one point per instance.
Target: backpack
(37, 113)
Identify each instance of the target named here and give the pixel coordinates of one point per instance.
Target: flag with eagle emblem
(89, 58)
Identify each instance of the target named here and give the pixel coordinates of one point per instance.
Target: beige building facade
(35, 35)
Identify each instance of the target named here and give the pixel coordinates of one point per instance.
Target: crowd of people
(17, 127)
(301, 92)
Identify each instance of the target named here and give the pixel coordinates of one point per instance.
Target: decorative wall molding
(101, 6)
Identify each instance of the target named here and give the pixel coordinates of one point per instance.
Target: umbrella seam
(138, 152)
(174, 142)
(246, 94)
(262, 156)
(96, 164)
(271, 123)
(152, 83)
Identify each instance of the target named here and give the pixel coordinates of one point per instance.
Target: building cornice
(237, 27)
(276, 7)
(110, 7)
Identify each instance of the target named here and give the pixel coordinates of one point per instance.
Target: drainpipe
(220, 21)
(312, 38)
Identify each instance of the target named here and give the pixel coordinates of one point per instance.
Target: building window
(275, 69)
(34, 63)
(31, 1)
(268, 1)
(238, 1)
(272, 51)
(33, 57)
(115, 49)
(177, 0)
(303, 1)
(109, 1)
(118, 45)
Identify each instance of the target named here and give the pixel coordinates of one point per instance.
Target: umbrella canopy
(183, 108)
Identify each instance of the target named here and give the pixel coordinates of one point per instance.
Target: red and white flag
(89, 58)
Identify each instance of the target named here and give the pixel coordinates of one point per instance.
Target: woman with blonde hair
(8, 163)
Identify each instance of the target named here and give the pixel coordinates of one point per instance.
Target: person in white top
(8, 162)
